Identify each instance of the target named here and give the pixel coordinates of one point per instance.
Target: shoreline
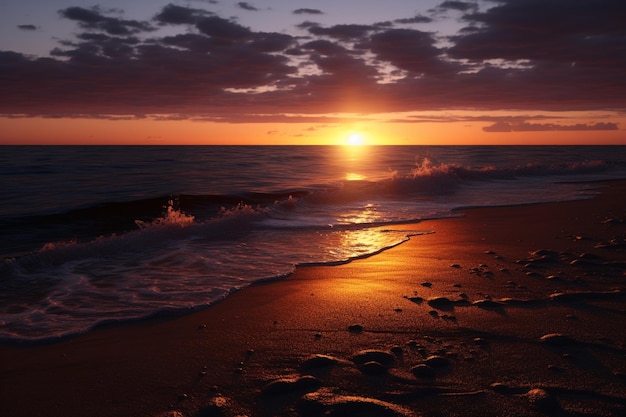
(457, 293)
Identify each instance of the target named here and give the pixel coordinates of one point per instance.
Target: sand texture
(510, 311)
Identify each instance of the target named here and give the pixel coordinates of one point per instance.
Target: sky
(313, 72)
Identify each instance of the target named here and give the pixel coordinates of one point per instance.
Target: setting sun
(355, 139)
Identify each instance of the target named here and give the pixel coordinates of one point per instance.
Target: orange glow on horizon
(51, 131)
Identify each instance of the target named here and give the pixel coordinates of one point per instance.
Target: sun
(355, 139)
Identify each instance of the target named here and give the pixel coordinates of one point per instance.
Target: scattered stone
(370, 355)
(355, 328)
(437, 361)
(372, 368)
(488, 304)
(217, 406)
(201, 326)
(489, 252)
(397, 310)
(318, 335)
(534, 274)
(542, 401)
(557, 339)
(457, 285)
(434, 313)
(427, 284)
(416, 300)
(480, 341)
(441, 303)
(324, 403)
(290, 385)
(397, 350)
(423, 371)
(457, 266)
(318, 361)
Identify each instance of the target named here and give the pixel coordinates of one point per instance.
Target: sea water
(99, 234)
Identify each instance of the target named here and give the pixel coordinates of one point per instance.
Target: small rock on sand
(542, 401)
(423, 371)
(372, 368)
(557, 339)
(318, 361)
(437, 361)
(384, 358)
(355, 328)
(441, 303)
(327, 404)
(289, 385)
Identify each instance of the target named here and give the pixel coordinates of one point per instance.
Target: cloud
(415, 19)
(514, 55)
(93, 19)
(247, 6)
(27, 27)
(462, 6)
(307, 11)
(179, 15)
(542, 127)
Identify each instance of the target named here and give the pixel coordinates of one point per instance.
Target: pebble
(557, 339)
(423, 371)
(427, 284)
(441, 303)
(329, 404)
(437, 361)
(455, 266)
(288, 385)
(542, 401)
(372, 368)
(318, 361)
(370, 355)
(355, 328)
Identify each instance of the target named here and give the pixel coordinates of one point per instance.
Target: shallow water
(91, 235)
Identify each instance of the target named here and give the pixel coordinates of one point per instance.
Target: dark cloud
(220, 28)
(462, 6)
(247, 6)
(27, 27)
(178, 15)
(410, 50)
(307, 11)
(93, 19)
(414, 19)
(343, 32)
(542, 127)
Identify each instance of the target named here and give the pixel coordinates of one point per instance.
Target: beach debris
(288, 385)
(326, 403)
(557, 339)
(542, 401)
(385, 358)
(423, 371)
(355, 328)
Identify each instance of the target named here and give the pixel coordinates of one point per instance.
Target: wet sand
(510, 311)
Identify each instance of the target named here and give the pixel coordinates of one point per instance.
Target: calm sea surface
(92, 235)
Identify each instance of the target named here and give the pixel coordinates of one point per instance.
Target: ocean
(102, 234)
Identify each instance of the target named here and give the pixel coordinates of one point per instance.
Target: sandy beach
(508, 311)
